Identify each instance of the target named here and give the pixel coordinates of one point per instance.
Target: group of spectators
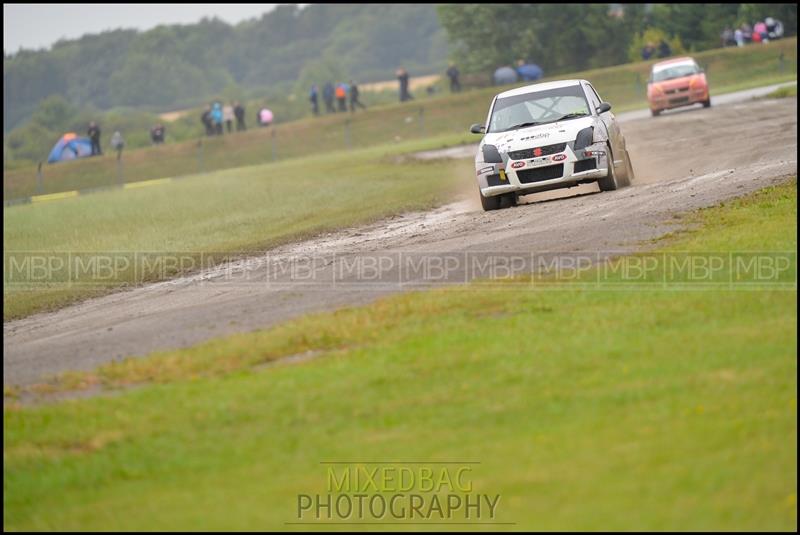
(335, 97)
(157, 134)
(93, 133)
(217, 117)
(216, 114)
(213, 118)
(761, 32)
(651, 51)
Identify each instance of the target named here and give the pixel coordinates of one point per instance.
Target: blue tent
(69, 147)
(530, 72)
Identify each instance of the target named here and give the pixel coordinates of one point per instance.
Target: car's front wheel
(490, 203)
(655, 113)
(609, 182)
(629, 176)
(707, 103)
(508, 200)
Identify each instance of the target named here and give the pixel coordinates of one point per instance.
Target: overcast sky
(41, 25)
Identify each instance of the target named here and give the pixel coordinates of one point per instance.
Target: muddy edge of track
(683, 161)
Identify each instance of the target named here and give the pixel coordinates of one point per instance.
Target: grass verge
(649, 409)
(235, 211)
(783, 92)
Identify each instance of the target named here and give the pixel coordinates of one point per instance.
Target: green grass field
(783, 92)
(729, 69)
(621, 408)
(238, 210)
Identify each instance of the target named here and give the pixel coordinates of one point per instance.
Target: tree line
(175, 66)
(563, 38)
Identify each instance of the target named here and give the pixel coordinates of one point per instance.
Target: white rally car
(548, 136)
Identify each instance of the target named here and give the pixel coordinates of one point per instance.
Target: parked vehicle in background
(675, 83)
(548, 136)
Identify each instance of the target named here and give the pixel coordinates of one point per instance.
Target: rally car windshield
(678, 71)
(541, 107)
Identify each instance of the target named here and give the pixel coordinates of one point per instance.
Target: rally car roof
(671, 62)
(533, 88)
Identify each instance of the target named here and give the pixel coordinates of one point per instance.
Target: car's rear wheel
(609, 182)
(490, 203)
(655, 113)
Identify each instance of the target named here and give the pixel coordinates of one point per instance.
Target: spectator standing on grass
(452, 73)
(265, 117)
(341, 96)
(313, 96)
(648, 51)
(216, 118)
(238, 111)
(327, 96)
(664, 51)
(205, 118)
(157, 134)
(354, 98)
(94, 135)
(402, 77)
(756, 34)
(227, 116)
(747, 32)
(117, 143)
(760, 30)
(738, 36)
(728, 37)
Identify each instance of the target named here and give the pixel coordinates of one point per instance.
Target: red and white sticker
(559, 157)
(517, 165)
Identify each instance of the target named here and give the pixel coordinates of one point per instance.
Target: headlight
(584, 138)
(595, 150)
(491, 154)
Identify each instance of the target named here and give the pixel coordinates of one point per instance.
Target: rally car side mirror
(603, 107)
(477, 128)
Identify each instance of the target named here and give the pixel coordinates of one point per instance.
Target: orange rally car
(675, 83)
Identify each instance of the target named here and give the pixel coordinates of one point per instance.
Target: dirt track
(683, 160)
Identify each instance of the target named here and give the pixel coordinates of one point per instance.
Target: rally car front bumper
(563, 170)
